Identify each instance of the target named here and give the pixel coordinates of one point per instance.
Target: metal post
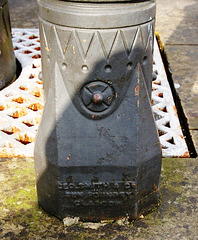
(7, 58)
(97, 153)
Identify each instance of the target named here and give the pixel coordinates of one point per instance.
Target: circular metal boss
(97, 96)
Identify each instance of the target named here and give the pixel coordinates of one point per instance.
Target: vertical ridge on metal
(7, 58)
(97, 153)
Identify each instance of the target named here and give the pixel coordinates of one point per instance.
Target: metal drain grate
(171, 137)
(21, 103)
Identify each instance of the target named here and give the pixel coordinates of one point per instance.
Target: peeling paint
(137, 90)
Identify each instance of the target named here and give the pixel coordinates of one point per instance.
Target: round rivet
(129, 65)
(108, 68)
(145, 60)
(64, 66)
(84, 68)
(97, 97)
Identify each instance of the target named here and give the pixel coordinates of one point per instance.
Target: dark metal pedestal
(7, 58)
(97, 153)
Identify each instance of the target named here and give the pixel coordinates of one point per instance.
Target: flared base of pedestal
(97, 193)
(103, 212)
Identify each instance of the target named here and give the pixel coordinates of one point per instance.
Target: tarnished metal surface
(89, 14)
(97, 153)
(27, 50)
(7, 58)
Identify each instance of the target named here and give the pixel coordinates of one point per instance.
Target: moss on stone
(18, 203)
(172, 174)
(171, 190)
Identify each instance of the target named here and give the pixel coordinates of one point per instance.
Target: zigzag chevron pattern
(88, 40)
